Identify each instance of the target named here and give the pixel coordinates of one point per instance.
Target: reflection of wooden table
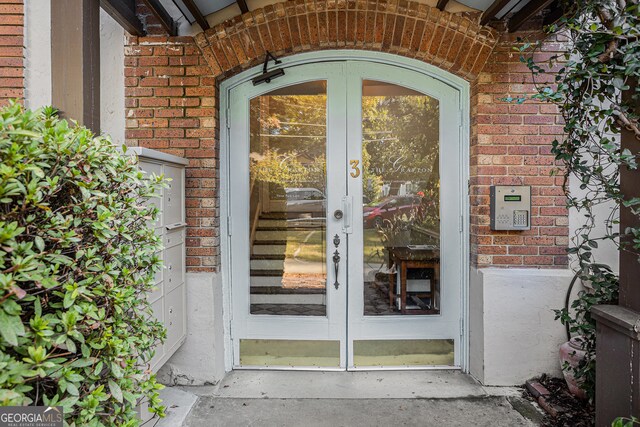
(404, 258)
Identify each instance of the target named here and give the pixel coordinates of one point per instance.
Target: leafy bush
(76, 259)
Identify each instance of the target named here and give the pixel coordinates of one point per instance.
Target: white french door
(344, 207)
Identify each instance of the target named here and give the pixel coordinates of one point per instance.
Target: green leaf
(73, 389)
(39, 241)
(116, 392)
(11, 328)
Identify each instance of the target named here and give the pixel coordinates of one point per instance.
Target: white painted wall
(200, 360)
(607, 252)
(112, 113)
(513, 334)
(37, 43)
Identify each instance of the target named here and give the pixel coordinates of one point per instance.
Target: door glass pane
(401, 200)
(288, 200)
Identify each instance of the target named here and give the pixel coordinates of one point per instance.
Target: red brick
(523, 250)
(507, 260)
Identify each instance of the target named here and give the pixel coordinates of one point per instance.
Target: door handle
(336, 266)
(336, 259)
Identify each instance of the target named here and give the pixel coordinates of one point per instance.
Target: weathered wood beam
(527, 12)
(493, 10)
(75, 61)
(442, 4)
(124, 13)
(243, 6)
(195, 11)
(170, 26)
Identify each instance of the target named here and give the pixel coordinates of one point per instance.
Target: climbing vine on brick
(597, 94)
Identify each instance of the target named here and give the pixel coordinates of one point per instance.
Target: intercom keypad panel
(510, 207)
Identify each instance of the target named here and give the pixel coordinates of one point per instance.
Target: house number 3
(355, 168)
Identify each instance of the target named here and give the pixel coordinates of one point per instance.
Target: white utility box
(169, 299)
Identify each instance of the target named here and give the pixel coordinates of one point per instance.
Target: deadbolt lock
(338, 214)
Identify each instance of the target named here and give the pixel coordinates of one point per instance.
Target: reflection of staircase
(273, 285)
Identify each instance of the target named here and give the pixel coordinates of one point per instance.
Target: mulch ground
(571, 411)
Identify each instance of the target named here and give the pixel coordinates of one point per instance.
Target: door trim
(463, 88)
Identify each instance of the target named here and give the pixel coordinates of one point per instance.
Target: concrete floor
(489, 411)
(382, 398)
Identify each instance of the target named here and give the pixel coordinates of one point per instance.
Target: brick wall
(510, 145)
(172, 106)
(11, 50)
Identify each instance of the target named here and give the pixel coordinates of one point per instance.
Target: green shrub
(76, 260)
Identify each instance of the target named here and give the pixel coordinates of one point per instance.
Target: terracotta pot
(572, 353)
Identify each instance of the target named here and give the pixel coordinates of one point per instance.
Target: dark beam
(193, 8)
(124, 13)
(161, 13)
(527, 12)
(629, 179)
(75, 61)
(493, 10)
(442, 4)
(555, 13)
(243, 6)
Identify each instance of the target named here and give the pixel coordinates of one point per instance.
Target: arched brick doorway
(173, 104)
(449, 41)
(388, 318)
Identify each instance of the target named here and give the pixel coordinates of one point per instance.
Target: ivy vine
(596, 91)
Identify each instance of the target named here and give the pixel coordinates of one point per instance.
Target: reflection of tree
(371, 183)
(401, 145)
(288, 140)
(401, 140)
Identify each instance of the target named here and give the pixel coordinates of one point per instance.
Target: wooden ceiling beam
(527, 12)
(195, 11)
(242, 4)
(493, 10)
(442, 4)
(124, 13)
(170, 26)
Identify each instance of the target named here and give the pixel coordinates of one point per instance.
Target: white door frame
(442, 76)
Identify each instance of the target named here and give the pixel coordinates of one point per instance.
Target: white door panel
(274, 245)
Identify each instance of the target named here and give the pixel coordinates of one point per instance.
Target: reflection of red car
(390, 207)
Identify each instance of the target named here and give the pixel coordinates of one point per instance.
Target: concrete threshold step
(403, 384)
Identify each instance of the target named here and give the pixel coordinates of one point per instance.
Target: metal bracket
(267, 76)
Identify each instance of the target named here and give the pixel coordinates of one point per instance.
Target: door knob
(337, 214)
